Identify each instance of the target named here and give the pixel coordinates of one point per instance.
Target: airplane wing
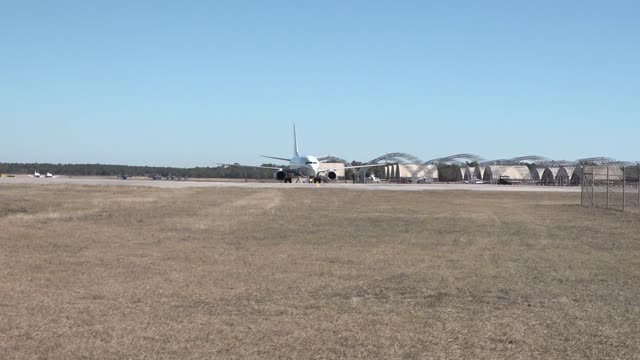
(363, 166)
(277, 158)
(252, 166)
(354, 167)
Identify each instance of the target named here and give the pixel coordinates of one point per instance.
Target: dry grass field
(126, 272)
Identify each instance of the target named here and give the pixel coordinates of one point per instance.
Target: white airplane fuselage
(306, 165)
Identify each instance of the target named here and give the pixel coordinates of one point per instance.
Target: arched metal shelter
(456, 159)
(534, 159)
(393, 161)
(547, 171)
(549, 176)
(332, 159)
(513, 173)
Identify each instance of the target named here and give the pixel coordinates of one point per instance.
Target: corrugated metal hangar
(469, 168)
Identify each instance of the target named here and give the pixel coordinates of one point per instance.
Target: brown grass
(118, 272)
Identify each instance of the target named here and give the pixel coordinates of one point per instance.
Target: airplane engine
(332, 174)
(280, 175)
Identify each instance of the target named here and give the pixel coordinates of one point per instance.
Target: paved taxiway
(219, 184)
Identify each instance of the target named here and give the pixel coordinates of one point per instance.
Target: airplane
(302, 166)
(372, 179)
(37, 175)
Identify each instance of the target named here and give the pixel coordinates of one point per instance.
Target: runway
(100, 181)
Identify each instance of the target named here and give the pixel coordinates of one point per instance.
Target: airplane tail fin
(295, 142)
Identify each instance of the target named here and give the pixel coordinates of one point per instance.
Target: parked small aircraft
(37, 175)
(372, 179)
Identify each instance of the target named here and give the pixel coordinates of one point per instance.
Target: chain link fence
(611, 186)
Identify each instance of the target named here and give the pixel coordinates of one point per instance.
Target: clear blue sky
(187, 83)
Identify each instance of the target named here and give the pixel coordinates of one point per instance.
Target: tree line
(230, 172)
(447, 172)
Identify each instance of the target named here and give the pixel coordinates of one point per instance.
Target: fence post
(638, 185)
(607, 186)
(582, 185)
(624, 185)
(593, 186)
